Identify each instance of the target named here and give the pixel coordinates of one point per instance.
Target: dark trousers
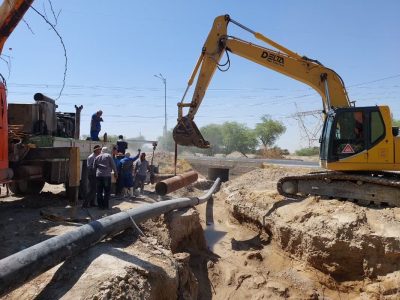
(119, 184)
(103, 186)
(139, 182)
(90, 198)
(94, 135)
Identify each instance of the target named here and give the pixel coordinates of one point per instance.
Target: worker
(95, 125)
(117, 160)
(358, 126)
(121, 144)
(127, 173)
(90, 199)
(104, 165)
(141, 168)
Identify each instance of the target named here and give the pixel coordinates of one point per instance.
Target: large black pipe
(41, 97)
(22, 266)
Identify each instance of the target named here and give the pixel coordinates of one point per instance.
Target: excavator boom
(324, 80)
(358, 143)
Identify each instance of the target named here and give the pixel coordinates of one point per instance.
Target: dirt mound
(235, 154)
(165, 162)
(341, 239)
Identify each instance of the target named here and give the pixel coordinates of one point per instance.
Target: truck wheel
(26, 187)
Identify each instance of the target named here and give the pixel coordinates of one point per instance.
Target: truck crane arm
(311, 72)
(11, 12)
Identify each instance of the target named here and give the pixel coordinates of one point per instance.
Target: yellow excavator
(358, 145)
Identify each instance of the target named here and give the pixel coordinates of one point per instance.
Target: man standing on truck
(95, 125)
(90, 199)
(121, 144)
(104, 165)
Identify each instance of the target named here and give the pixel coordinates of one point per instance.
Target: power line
(254, 89)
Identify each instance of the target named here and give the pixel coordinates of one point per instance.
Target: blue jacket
(127, 164)
(95, 123)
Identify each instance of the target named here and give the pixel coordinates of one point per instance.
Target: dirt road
(248, 243)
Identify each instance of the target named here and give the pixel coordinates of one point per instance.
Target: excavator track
(381, 188)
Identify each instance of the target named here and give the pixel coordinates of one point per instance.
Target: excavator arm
(324, 80)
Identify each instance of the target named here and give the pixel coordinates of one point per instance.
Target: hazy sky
(114, 48)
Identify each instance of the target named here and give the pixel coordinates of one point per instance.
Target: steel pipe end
(161, 188)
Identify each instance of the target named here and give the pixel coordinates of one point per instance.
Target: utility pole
(309, 132)
(164, 80)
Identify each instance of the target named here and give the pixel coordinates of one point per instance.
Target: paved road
(214, 161)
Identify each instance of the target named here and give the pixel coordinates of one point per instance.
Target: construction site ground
(247, 243)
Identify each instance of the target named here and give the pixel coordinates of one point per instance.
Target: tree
(307, 151)
(269, 130)
(238, 137)
(396, 123)
(167, 143)
(213, 134)
(112, 138)
(133, 144)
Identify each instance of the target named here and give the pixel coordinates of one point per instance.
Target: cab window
(349, 136)
(377, 127)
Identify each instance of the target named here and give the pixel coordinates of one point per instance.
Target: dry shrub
(275, 152)
(165, 162)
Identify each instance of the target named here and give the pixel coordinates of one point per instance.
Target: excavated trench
(256, 245)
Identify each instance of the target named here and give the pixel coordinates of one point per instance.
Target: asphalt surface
(209, 160)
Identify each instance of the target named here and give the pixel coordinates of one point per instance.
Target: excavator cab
(350, 136)
(186, 133)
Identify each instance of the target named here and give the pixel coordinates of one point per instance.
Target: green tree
(307, 151)
(268, 131)
(166, 143)
(396, 123)
(213, 134)
(238, 137)
(112, 138)
(133, 143)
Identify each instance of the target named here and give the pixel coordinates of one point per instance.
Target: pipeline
(174, 183)
(22, 266)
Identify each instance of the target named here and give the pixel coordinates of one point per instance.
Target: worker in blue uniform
(95, 125)
(127, 173)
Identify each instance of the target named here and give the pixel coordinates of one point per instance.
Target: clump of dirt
(235, 154)
(341, 239)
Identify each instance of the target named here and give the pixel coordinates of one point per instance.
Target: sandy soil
(247, 243)
(315, 248)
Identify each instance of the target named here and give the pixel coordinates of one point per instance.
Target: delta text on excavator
(358, 145)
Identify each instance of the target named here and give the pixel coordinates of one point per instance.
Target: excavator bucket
(186, 133)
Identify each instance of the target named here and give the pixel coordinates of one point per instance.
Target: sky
(114, 49)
